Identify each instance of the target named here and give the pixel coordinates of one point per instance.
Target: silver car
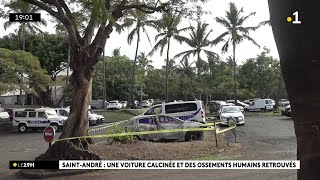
(164, 122)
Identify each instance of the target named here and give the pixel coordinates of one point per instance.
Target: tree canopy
(18, 62)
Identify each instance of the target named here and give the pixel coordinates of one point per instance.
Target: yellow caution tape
(224, 130)
(138, 133)
(205, 128)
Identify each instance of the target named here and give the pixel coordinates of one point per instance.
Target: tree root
(69, 150)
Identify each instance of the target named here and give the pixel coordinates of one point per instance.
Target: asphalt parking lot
(263, 137)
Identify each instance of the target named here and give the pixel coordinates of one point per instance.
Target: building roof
(13, 93)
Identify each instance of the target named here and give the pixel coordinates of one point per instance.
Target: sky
(263, 36)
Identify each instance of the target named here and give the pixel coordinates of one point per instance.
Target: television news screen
(154, 89)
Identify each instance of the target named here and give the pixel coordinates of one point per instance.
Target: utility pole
(141, 89)
(104, 81)
(68, 64)
(23, 48)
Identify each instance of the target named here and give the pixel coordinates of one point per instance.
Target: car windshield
(231, 110)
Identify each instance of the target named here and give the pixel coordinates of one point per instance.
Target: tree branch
(44, 7)
(147, 9)
(88, 34)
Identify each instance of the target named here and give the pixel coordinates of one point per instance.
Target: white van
(260, 105)
(36, 118)
(188, 110)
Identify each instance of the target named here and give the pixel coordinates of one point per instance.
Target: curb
(42, 173)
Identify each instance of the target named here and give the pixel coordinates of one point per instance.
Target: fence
(104, 129)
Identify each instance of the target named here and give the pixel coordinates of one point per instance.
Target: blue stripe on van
(190, 116)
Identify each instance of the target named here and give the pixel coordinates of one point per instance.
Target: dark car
(134, 104)
(10, 112)
(286, 111)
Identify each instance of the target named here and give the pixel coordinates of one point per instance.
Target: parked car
(4, 114)
(163, 122)
(284, 102)
(94, 119)
(273, 102)
(36, 118)
(124, 104)
(231, 111)
(187, 111)
(114, 105)
(156, 101)
(134, 104)
(260, 105)
(151, 101)
(286, 111)
(214, 106)
(145, 104)
(93, 115)
(249, 101)
(239, 103)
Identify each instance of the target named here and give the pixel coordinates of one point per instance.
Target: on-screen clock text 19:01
(24, 17)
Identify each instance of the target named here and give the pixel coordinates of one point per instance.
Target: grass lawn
(115, 116)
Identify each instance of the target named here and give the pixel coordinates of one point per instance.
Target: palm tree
(168, 28)
(198, 41)
(235, 34)
(144, 62)
(139, 20)
(18, 6)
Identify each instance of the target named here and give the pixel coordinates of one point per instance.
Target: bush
(120, 139)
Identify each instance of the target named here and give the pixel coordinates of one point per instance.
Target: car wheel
(190, 136)
(199, 136)
(22, 128)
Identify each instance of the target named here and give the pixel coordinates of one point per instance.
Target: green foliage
(261, 76)
(50, 49)
(15, 63)
(118, 70)
(120, 139)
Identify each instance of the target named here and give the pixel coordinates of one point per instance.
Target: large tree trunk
(298, 46)
(77, 124)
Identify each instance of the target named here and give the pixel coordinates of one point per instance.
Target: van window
(174, 108)
(41, 114)
(154, 110)
(32, 114)
(267, 101)
(63, 113)
(21, 114)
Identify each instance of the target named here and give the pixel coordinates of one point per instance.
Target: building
(11, 97)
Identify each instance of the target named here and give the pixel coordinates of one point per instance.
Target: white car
(231, 111)
(284, 102)
(145, 104)
(114, 105)
(4, 114)
(124, 104)
(94, 119)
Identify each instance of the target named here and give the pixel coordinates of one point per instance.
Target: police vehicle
(36, 118)
(186, 111)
